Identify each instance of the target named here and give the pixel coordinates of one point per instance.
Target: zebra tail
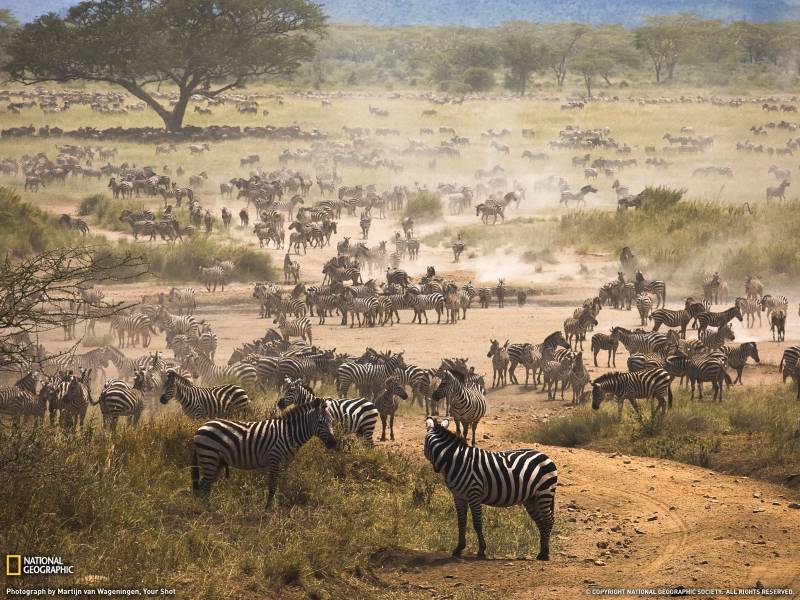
(195, 470)
(227, 471)
(669, 394)
(728, 379)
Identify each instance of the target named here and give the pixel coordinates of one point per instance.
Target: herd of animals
(285, 360)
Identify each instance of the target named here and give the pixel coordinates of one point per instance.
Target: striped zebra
(777, 325)
(642, 342)
(750, 308)
(135, 328)
(422, 383)
(269, 444)
(709, 367)
(788, 364)
(75, 397)
(578, 378)
(485, 296)
(367, 376)
(203, 368)
(294, 328)
(737, 357)
(555, 372)
(183, 299)
(203, 402)
(655, 287)
(465, 296)
(21, 400)
(125, 366)
(604, 341)
(506, 478)
(714, 340)
(717, 319)
(385, 310)
(500, 292)
(770, 304)
(400, 302)
(642, 362)
(528, 355)
(356, 307)
(500, 360)
(465, 397)
(651, 383)
(212, 277)
(327, 304)
(387, 404)
(676, 318)
(575, 328)
(118, 399)
(397, 277)
(421, 303)
(355, 416)
(311, 367)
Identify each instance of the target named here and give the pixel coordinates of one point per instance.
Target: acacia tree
(664, 40)
(562, 45)
(202, 47)
(522, 55)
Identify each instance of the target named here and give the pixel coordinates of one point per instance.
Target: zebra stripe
(465, 398)
(118, 399)
(184, 299)
(718, 319)
(737, 357)
(203, 402)
(506, 478)
(203, 367)
(421, 303)
(603, 341)
(270, 445)
(295, 328)
(137, 327)
(676, 318)
(711, 368)
(651, 383)
(21, 399)
(367, 376)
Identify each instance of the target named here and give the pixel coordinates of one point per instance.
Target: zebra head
(436, 435)
(751, 350)
(170, 384)
(395, 388)
(294, 392)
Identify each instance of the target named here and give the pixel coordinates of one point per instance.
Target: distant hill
(492, 12)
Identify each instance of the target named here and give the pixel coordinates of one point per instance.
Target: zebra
(777, 325)
(201, 366)
(421, 381)
(295, 328)
(506, 478)
(750, 307)
(500, 360)
(203, 402)
(21, 399)
(714, 340)
(718, 319)
(770, 303)
(656, 287)
(465, 296)
(421, 303)
(788, 364)
(676, 318)
(386, 403)
(306, 368)
(466, 398)
(184, 299)
(360, 306)
(137, 327)
(711, 368)
(269, 444)
(603, 341)
(211, 277)
(118, 399)
(555, 371)
(644, 342)
(500, 292)
(484, 296)
(575, 328)
(737, 357)
(524, 354)
(397, 277)
(650, 383)
(367, 376)
(355, 416)
(75, 397)
(578, 378)
(641, 362)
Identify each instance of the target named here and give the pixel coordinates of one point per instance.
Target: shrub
(478, 79)
(424, 206)
(578, 427)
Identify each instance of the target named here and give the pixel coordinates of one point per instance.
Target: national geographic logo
(18, 565)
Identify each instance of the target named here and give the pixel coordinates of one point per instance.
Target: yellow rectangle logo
(11, 570)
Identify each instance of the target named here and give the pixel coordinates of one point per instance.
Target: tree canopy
(201, 46)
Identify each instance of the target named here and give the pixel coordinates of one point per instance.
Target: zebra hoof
(457, 553)
(543, 556)
(481, 554)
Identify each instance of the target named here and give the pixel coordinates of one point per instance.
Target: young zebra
(295, 328)
(644, 304)
(269, 445)
(421, 303)
(578, 378)
(367, 376)
(184, 299)
(575, 328)
(465, 397)
(485, 296)
(118, 399)
(214, 276)
(714, 340)
(655, 287)
(717, 319)
(386, 403)
(709, 367)
(677, 318)
(556, 371)
(750, 307)
(500, 360)
(21, 400)
(603, 341)
(506, 478)
(777, 325)
(203, 402)
(651, 383)
(737, 357)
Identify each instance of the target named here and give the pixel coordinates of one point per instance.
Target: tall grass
(337, 513)
(753, 432)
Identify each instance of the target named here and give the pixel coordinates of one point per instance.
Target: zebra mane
(604, 378)
(298, 411)
(179, 377)
(450, 436)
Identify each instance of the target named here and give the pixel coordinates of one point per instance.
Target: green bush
(479, 79)
(575, 429)
(424, 206)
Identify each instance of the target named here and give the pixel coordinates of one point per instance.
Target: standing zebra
(368, 376)
(788, 364)
(357, 416)
(500, 292)
(676, 318)
(523, 354)
(709, 367)
(137, 327)
(500, 360)
(421, 303)
(75, 399)
(737, 357)
(578, 378)
(717, 319)
(268, 445)
(651, 383)
(603, 341)
(465, 397)
(750, 307)
(656, 287)
(714, 340)
(118, 399)
(386, 403)
(575, 328)
(201, 366)
(484, 296)
(637, 342)
(506, 478)
(295, 328)
(184, 299)
(20, 400)
(770, 304)
(203, 402)
(211, 277)
(644, 304)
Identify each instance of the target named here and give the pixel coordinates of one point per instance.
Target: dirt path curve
(650, 523)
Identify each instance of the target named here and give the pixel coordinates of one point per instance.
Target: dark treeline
(518, 55)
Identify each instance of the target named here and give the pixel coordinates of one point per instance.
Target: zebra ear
(445, 423)
(430, 423)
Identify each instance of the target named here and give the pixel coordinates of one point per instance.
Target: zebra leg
(391, 426)
(272, 482)
(477, 524)
(511, 374)
(461, 514)
(474, 428)
(541, 510)
(383, 428)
